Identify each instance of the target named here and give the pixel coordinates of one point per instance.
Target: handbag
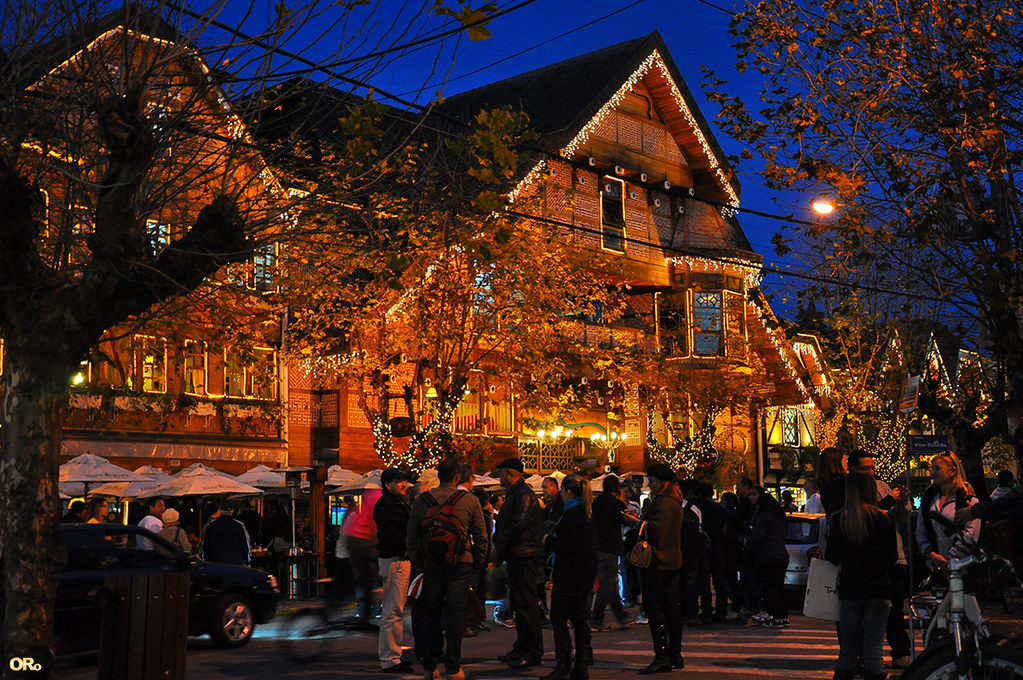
(821, 601)
(641, 553)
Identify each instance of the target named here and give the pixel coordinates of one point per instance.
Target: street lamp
(822, 205)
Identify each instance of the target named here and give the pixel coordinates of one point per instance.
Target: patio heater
(293, 478)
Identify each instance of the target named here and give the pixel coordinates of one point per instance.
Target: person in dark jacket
(663, 531)
(391, 515)
(518, 540)
(861, 538)
(225, 539)
(574, 548)
(609, 516)
(832, 467)
(766, 544)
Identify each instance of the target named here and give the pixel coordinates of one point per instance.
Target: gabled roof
(562, 98)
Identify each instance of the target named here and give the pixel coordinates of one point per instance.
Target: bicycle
(957, 642)
(310, 632)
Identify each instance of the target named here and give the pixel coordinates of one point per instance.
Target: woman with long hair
(574, 547)
(948, 493)
(830, 479)
(97, 510)
(861, 539)
(769, 528)
(663, 531)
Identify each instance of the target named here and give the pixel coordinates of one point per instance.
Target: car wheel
(233, 621)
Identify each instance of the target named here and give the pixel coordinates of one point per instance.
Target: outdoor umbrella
(90, 469)
(202, 482)
(134, 489)
(199, 466)
(370, 480)
(265, 478)
(337, 476)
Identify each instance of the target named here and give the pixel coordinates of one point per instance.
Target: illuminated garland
(688, 454)
(751, 274)
(777, 338)
(887, 447)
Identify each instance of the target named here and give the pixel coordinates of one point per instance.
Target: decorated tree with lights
(434, 290)
(907, 115)
(113, 118)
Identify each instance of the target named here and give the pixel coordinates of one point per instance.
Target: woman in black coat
(574, 546)
(769, 529)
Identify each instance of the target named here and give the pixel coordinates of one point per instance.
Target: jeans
(607, 589)
(395, 573)
(524, 573)
(442, 605)
(862, 624)
(895, 631)
(363, 563)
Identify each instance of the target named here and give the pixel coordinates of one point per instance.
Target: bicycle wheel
(998, 662)
(308, 634)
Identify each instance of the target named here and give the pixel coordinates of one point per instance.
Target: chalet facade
(183, 387)
(630, 171)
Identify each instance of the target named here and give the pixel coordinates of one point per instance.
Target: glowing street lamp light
(823, 206)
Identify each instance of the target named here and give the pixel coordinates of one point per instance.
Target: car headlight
(272, 581)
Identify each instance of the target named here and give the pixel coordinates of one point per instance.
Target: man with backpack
(446, 541)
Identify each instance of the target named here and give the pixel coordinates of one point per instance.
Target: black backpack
(444, 537)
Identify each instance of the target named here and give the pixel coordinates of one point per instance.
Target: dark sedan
(225, 601)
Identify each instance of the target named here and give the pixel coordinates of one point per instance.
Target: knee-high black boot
(661, 662)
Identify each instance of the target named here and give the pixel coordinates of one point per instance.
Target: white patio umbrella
(266, 478)
(370, 480)
(134, 489)
(90, 469)
(337, 475)
(199, 466)
(202, 482)
(485, 482)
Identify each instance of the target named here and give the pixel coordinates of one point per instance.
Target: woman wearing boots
(861, 538)
(574, 547)
(663, 531)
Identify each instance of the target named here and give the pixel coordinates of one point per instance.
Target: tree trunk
(31, 553)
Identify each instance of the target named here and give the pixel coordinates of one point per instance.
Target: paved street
(807, 650)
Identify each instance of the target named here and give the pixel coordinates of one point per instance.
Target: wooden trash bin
(144, 628)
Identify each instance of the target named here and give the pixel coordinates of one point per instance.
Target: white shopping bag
(821, 600)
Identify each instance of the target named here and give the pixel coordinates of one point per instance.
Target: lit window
(159, 236)
(674, 324)
(263, 376)
(707, 323)
(195, 368)
(234, 376)
(790, 426)
(83, 376)
(612, 214)
(264, 262)
(150, 364)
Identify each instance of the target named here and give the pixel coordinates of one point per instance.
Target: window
(150, 364)
(234, 376)
(256, 380)
(790, 426)
(673, 324)
(264, 261)
(195, 367)
(612, 214)
(159, 236)
(83, 376)
(707, 323)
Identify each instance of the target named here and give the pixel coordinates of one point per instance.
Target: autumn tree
(908, 116)
(128, 182)
(427, 282)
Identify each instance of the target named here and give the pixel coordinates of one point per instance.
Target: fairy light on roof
(751, 274)
(777, 338)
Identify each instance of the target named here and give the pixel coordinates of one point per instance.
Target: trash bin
(144, 627)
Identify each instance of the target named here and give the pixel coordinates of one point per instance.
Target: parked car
(805, 531)
(225, 601)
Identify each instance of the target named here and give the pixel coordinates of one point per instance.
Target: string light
(688, 454)
(751, 274)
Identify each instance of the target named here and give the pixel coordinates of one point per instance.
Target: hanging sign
(910, 394)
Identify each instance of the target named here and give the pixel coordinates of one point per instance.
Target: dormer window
(612, 214)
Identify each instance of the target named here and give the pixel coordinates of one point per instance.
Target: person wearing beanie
(174, 533)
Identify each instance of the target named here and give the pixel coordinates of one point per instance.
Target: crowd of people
(711, 561)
